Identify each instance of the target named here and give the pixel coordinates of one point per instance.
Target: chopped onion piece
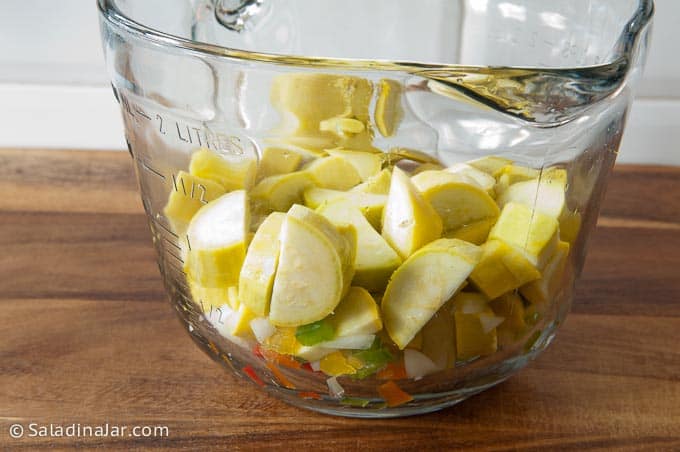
(262, 329)
(334, 389)
(224, 320)
(489, 322)
(354, 342)
(418, 364)
(315, 365)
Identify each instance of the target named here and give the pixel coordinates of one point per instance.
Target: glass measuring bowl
(373, 209)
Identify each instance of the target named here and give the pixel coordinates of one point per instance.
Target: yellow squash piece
(516, 173)
(316, 265)
(570, 225)
(279, 193)
(543, 290)
(555, 175)
(482, 179)
(511, 174)
(217, 236)
(473, 337)
(469, 302)
(409, 221)
(312, 352)
(342, 126)
(501, 269)
(417, 341)
(290, 144)
(388, 110)
(544, 195)
(476, 232)
(233, 300)
(208, 298)
(309, 281)
(375, 259)
(336, 364)
(398, 153)
(283, 341)
(334, 96)
(367, 164)
(427, 167)
(370, 205)
(489, 164)
(532, 232)
(259, 267)
(334, 172)
(422, 284)
(277, 160)
(457, 203)
(240, 323)
(511, 308)
(231, 172)
(439, 339)
(377, 184)
(343, 238)
(357, 313)
(187, 195)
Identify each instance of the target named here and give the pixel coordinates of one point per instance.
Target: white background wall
(54, 91)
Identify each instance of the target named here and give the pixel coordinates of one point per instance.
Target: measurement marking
(178, 270)
(188, 242)
(165, 228)
(172, 243)
(181, 285)
(174, 181)
(179, 134)
(173, 266)
(203, 191)
(198, 135)
(141, 113)
(160, 125)
(184, 189)
(126, 105)
(185, 297)
(179, 276)
(175, 256)
(202, 305)
(151, 170)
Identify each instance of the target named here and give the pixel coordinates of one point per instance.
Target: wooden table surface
(87, 336)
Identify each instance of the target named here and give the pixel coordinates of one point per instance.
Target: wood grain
(88, 337)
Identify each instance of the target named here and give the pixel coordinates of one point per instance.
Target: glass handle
(235, 14)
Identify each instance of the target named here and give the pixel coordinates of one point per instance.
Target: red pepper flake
(257, 351)
(280, 376)
(307, 366)
(253, 376)
(392, 371)
(309, 395)
(393, 394)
